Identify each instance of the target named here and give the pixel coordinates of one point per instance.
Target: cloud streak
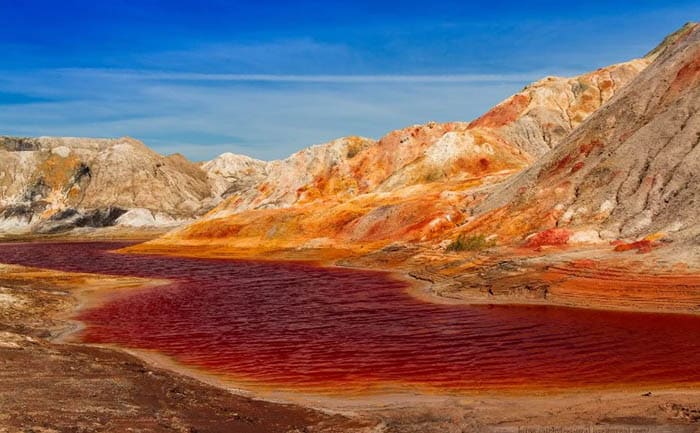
(245, 77)
(299, 78)
(202, 115)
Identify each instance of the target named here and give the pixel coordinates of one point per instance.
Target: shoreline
(390, 393)
(364, 404)
(394, 394)
(424, 292)
(40, 351)
(502, 287)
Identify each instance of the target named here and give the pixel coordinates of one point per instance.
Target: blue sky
(268, 78)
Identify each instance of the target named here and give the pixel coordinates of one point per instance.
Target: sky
(268, 78)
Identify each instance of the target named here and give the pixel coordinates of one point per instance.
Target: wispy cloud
(294, 78)
(267, 80)
(202, 115)
(289, 56)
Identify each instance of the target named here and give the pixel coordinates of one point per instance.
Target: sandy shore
(50, 384)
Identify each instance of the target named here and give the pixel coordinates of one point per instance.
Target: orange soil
(504, 113)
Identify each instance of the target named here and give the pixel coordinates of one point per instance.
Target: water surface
(301, 327)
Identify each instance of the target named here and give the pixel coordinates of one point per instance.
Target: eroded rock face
(324, 170)
(55, 184)
(630, 171)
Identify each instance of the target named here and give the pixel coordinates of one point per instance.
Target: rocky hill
(230, 173)
(507, 138)
(629, 171)
(413, 184)
(51, 185)
(546, 199)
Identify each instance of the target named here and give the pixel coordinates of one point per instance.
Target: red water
(302, 327)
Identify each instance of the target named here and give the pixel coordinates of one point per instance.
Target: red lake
(296, 326)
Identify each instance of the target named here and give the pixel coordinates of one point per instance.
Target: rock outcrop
(537, 118)
(230, 173)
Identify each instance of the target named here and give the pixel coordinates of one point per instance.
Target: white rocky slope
(52, 184)
(229, 173)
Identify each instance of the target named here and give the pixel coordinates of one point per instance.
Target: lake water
(296, 326)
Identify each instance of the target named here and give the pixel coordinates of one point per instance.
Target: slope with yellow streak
(415, 184)
(369, 221)
(510, 136)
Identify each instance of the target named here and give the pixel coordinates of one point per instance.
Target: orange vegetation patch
(553, 236)
(416, 213)
(504, 113)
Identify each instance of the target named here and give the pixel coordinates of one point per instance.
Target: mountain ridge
(410, 185)
(612, 172)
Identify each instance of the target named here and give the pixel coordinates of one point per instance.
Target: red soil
(642, 246)
(686, 77)
(553, 236)
(578, 166)
(504, 113)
